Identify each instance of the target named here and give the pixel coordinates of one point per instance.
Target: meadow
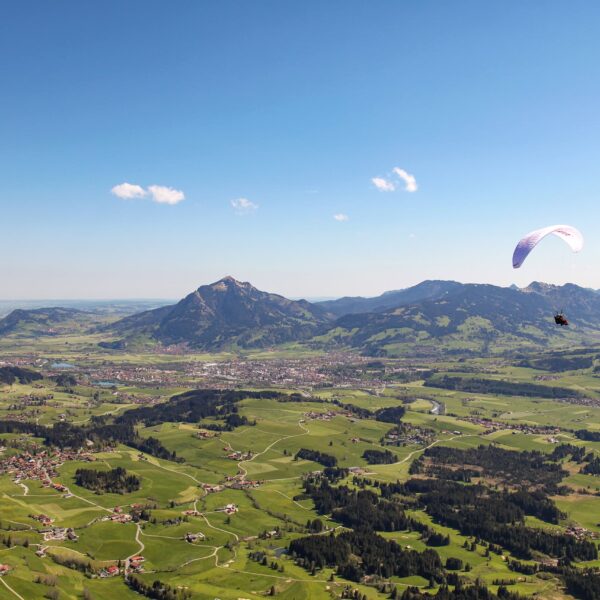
(268, 515)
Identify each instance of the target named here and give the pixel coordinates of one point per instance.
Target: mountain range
(430, 317)
(473, 318)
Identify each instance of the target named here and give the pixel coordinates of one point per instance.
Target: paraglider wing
(568, 234)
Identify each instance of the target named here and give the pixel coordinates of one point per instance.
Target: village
(492, 426)
(42, 465)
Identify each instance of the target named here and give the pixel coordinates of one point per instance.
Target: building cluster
(192, 538)
(136, 564)
(491, 426)
(118, 516)
(130, 374)
(580, 533)
(61, 534)
(45, 520)
(241, 483)
(239, 455)
(42, 465)
(212, 488)
(110, 571)
(340, 369)
(321, 416)
(27, 400)
(407, 435)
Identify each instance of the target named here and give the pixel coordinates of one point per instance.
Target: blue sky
(493, 107)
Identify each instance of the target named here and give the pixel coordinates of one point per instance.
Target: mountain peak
(539, 287)
(226, 283)
(228, 313)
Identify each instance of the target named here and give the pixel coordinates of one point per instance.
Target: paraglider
(560, 319)
(567, 233)
(571, 236)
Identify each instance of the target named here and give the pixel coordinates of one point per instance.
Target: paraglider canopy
(567, 233)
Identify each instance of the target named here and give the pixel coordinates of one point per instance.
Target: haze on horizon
(314, 150)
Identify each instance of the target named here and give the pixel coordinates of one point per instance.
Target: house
(110, 571)
(212, 488)
(138, 558)
(4, 569)
(228, 508)
(123, 518)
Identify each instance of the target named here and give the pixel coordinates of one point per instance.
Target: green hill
(43, 321)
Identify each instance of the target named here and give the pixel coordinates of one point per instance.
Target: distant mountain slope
(224, 314)
(42, 321)
(472, 317)
(426, 290)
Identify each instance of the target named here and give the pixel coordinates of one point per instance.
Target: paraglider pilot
(559, 319)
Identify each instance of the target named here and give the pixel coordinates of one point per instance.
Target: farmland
(218, 520)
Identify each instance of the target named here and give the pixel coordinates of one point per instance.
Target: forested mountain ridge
(474, 317)
(426, 290)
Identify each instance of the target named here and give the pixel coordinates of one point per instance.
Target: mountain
(226, 314)
(43, 321)
(473, 318)
(426, 290)
(432, 317)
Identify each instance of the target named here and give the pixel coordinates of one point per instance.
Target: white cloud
(165, 195)
(128, 191)
(409, 180)
(341, 217)
(243, 206)
(383, 185)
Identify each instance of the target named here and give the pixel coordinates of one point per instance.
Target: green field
(218, 563)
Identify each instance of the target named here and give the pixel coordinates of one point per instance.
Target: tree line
(327, 460)
(115, 481)
(499, 518)
(10, 375)
(514, 468)
(496, 386)
(376, 555)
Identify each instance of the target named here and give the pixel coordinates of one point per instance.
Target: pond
(62, 365)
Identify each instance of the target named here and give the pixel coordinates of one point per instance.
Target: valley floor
(217, 522)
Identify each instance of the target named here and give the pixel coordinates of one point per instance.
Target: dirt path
(409, 456)
(138, 532)
(244, 471)
(11, 589)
